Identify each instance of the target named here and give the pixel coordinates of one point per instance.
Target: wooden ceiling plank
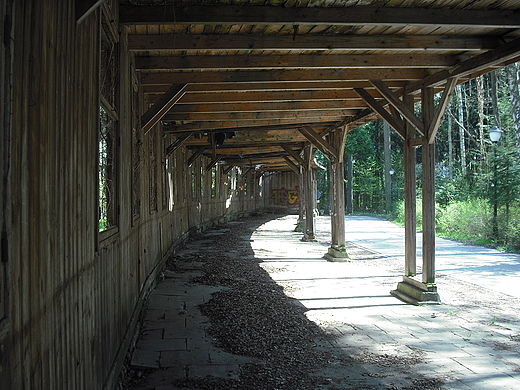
(342, 16)
(394, 100)
(295, 61)
(340, 75)
(380, 109)
(163, 105)
(319, 142)
(250, 42)
(440, 110)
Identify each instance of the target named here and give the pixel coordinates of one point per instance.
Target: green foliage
(468, 221)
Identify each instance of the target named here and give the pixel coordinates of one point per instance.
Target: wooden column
(337, 251)
(428, 190)
(301, 200)
(309, 195)
(410, 194)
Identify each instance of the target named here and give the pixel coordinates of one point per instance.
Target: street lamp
(495, 134)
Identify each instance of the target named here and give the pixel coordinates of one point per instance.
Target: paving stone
(145, 359)
(162, 345)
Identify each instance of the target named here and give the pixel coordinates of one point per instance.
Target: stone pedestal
(336, 254)
(416, 293)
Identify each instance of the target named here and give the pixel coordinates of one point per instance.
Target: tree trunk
(514, 93)
(480, 110)
(388, 166)
(450, 146)
(461, 129)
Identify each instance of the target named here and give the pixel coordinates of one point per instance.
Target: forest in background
(477, 180)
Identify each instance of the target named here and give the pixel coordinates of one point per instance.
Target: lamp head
(495, 133)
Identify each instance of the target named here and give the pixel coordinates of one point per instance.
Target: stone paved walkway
(471, 341)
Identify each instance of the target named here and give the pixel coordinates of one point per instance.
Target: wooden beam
(293, 154)
(273, 96)
(177, 144)
(440, 110)
(291, 165)
(84, 8)
(343, 16)
(169, 42)
(380, 109)
(327, 149)
(190, 128)
(479, 63)
(299, 61)
(394, 100)
(318, 115)
(196, 154)
(272, 86)
(163, 105)
(251, 76)
(203, 125)
(213, 163)
(267, 106)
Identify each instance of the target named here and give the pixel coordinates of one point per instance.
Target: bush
(468, 221)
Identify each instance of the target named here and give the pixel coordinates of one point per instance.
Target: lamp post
(494, 134)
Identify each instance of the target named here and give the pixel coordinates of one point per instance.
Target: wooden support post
(308, 234)
(410, 195)
(412, 290)
(337, 251)
(428, 190)
(301, 200)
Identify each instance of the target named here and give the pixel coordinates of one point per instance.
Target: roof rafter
(310, 42)
(295, 61)
(356, 16)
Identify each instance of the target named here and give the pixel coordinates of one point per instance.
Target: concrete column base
(416, 293)
(336, 254)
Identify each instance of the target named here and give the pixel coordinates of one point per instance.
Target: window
(214, 181)
(107, 137)
(136, 153)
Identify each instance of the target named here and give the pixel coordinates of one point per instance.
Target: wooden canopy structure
(252, 83)
(127, 127)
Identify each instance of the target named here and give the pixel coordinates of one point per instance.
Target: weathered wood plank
(295, 61)
(340, 75)
(311, 42)
(352, 16)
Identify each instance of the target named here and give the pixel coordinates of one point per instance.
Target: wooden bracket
(163, 105)
(213, 163)
(293, 154)
(177, 144)
(394, 101)
(328, 150)
(292, 165)
(194, 156)
(441, 109)
(226, 171)
(393, 121)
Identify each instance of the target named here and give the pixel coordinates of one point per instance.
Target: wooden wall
(69, 295)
